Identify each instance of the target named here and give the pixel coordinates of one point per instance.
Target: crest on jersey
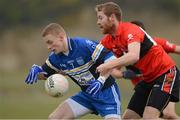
(80, 61)
(130, 37)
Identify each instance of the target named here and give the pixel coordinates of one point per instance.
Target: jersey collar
(69, 41)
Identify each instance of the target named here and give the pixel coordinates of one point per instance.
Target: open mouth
(101, 27)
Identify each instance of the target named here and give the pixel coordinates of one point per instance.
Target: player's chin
(103, 31)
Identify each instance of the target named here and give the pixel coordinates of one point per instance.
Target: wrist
(124, 74)
(101, 79)
(41, 76)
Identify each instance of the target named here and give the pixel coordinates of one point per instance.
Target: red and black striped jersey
(168, 47)
(153, 62)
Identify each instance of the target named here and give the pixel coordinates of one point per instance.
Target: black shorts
(156, 94)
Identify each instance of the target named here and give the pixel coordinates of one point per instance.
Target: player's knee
(125, 116)
(50, 117)
(151, 113)
(150, 116)
(169, 115)
(54, 116)
(60, 115)
(129, 114)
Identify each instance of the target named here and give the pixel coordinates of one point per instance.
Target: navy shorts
(156, 94)
(105, 102)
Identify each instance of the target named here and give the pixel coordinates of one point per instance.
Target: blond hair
(110, 8)
(54, 29)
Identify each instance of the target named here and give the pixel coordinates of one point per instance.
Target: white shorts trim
(113, 116)
(78, 109)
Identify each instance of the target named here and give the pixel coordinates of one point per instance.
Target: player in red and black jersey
(169, 111)
(164, 43)
(139, 52)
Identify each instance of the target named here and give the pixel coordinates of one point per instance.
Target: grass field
(21, 101)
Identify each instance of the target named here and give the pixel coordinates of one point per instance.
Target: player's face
(104, 23)
(54, 43)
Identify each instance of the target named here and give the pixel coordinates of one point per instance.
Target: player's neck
(66, 53)
(66, 47)
(114, 29)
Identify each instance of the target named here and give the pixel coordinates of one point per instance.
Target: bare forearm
(125, 60)
(130, 58)
(177, 49)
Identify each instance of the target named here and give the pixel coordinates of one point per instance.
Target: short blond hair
(54, 29)
(110, 8)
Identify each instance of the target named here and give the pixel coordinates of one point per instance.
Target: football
(56, 85)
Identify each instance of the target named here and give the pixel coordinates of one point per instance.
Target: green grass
(21, 101)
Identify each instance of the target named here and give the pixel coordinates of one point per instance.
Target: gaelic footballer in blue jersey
(78, 59)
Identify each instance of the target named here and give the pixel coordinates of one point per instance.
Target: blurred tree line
(21, 22)
(36, 12)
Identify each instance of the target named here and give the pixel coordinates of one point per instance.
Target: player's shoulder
(52, 55)
(126, 26)
(129, 29)
(84, 41)
(77, 38)
(160, 40)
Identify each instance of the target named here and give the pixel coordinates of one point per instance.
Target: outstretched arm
(177, 49)
(36, 73)
(130, 58)
(41, 76)
(168, 46)
(127, 74)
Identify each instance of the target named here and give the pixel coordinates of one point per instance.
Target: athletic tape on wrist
(101, 79)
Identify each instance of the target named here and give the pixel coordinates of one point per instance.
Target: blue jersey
(81, 61)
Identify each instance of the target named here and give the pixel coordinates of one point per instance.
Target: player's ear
(112, 17)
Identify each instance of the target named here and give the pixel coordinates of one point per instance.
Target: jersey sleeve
(134, 33)
(101, 53)
(168, 47)
(49, 66)
(97, 51)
